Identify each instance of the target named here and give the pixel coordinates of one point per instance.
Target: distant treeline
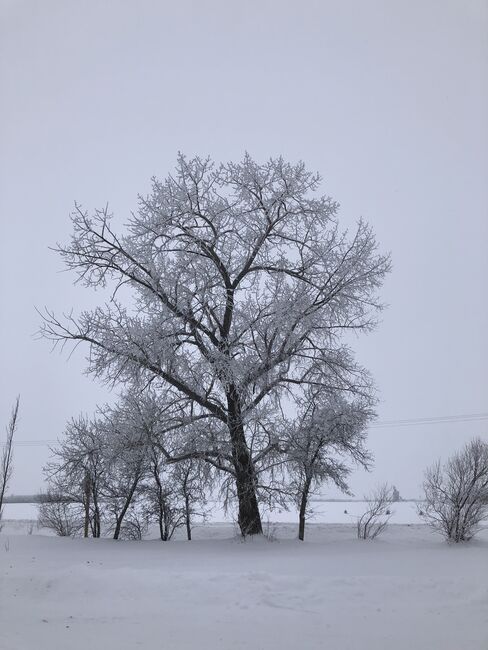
(29, 498)
(23, 498)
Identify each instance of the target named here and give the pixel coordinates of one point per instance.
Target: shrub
(62, 517)
(456, 493)
(374, 521)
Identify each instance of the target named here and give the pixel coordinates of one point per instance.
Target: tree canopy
(243, 285)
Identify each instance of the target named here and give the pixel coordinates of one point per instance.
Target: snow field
(405, 590)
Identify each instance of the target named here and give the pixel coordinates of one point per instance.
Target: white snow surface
(405, 590)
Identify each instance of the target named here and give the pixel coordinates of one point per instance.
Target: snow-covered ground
(405, 590)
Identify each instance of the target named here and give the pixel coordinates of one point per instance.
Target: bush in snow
(374, 521)
(456, 493)
(134, 526)
(63, 517)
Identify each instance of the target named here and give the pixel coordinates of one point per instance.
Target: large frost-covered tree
(243, 284)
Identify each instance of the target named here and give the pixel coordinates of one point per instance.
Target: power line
(441, 419)
(382, 424)
(34, 443)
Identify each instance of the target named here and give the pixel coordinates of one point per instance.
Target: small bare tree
(126, 469)
(162, 502)
(374, 521)
(7, 454)
(64, 517)
(328, 430)
(456, 493)
(191, 478)
(77, 471)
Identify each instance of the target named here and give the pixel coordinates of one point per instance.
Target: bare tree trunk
(120, 518)
(249, 518)
(186, 496)
(161, 525)
(303, 510)
(166, 524)
(86, 490)
(187, 517)
(160, 494)
(98, 527)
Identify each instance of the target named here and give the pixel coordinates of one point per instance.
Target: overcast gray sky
(388, 100)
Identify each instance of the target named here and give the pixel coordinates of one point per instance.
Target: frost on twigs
(243, 285)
